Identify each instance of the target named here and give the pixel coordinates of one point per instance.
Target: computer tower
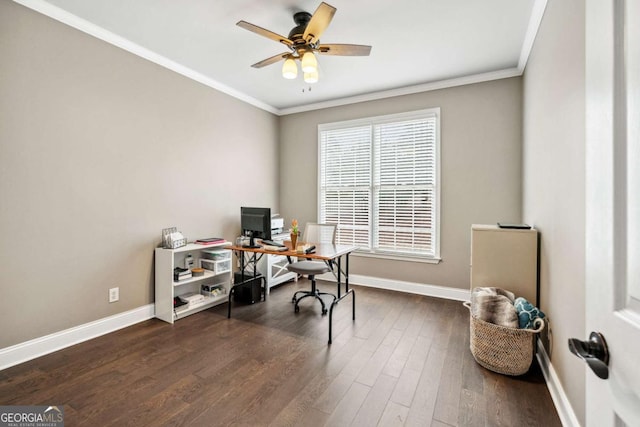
(250, 291)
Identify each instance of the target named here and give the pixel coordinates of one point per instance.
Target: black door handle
(595, 352)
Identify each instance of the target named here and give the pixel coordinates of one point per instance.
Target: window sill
(397, 257)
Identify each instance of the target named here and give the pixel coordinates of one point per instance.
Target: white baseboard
(29, 350)
(19, 353)
(560, 400)
(37, 347)
(455, 294)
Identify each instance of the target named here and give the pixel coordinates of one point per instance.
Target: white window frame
(390, 118)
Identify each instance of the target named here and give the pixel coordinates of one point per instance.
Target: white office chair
(313, 234)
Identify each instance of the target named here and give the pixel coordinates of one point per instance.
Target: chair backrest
(319, 233)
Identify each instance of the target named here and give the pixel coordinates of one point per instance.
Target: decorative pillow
(527, 313)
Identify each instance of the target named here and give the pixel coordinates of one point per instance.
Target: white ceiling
(416, 43)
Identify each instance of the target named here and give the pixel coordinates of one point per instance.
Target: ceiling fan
(303, 41)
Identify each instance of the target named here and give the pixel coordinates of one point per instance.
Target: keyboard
(272, 243)
(274, 248)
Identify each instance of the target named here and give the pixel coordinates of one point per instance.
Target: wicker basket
(500, 349)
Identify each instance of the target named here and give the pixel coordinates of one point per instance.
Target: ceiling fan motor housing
(301, 19)
(304, 40)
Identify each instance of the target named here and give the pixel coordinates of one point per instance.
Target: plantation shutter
(345, 183)
(404, 185)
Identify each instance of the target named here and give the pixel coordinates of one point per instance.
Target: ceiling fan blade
(272, 60)
(344, 49)
(319, 22)
(265, 33)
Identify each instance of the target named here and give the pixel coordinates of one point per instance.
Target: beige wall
(100, 150)
(554, 180)
(480, 162)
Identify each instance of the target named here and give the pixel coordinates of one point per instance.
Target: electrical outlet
(114, 294)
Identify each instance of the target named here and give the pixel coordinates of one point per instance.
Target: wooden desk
(331, 254)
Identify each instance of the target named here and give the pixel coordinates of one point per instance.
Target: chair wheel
(324, 311)
(293, 300)
(297, 309)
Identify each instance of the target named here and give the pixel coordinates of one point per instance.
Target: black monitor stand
(252, 243)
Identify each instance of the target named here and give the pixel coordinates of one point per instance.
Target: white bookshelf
(166, 289)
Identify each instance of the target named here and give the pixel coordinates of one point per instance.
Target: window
(379, 183)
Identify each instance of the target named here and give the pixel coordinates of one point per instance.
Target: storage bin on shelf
(213, 291)
(217, 267)
(501, 349)
(216, 254)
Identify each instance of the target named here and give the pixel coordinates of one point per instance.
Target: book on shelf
(181, 274)
(192, 298)
(177, 302)
(210, 241)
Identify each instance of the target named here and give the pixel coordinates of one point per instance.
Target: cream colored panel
(505, 258)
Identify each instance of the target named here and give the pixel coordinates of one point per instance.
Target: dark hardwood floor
(404, 361)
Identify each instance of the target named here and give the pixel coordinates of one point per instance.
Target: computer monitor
(255, 223)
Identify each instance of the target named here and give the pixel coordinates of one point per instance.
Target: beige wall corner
(100, 150)
(480, 162)
(554, 181)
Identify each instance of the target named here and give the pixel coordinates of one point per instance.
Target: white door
(613, 206)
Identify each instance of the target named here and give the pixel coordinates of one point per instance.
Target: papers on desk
(274, 248)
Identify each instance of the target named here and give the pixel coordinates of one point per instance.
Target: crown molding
(54, 12)
(94, 30)
(537, 12)
(408, 90)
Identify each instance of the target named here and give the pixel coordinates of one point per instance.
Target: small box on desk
(250, 291)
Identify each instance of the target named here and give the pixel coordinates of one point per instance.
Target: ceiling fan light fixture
(309, 62)
(303, 42)
(289, 69)
(311, 77)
